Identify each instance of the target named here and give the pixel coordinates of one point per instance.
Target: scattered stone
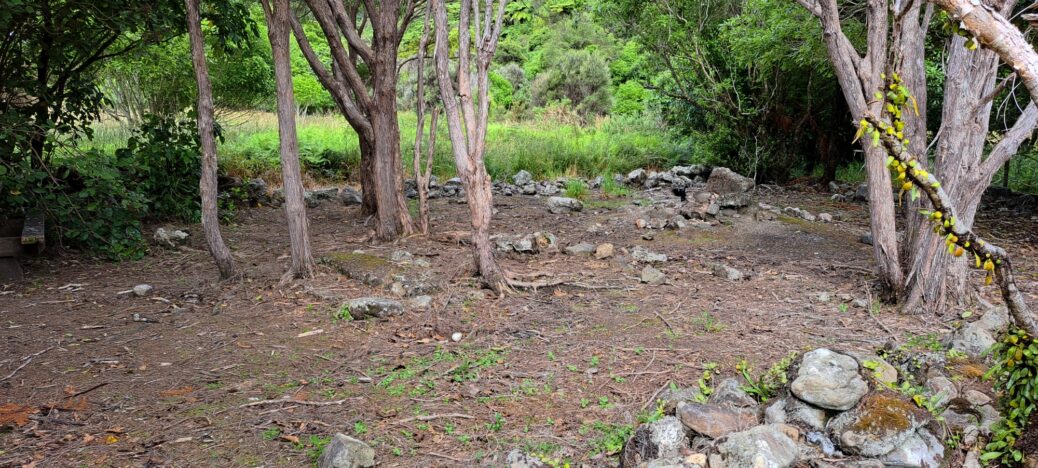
(401, 256)
(560, 205)
(822, 297)
(547, 189)
(522, 178)
(641, 223)
(723, 180)
(765, 446)
(652, 276)
(142, 290)
(663, 439)
(604, 251)
(882, 422)
(728, 393)
(861, 193)
(170, 238)
(860, 303)
(866, 239)
(829, 380)
(420, 302)
(346, 452)
(517, 459)
(727, 272)
(641, 254)
(456, 337)
(582, 248)
(825, 217)
(714, 421)
(366, 307)
(527, 244)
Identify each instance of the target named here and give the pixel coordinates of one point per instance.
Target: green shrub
(1016, 365)
(576, 188)
(162, 162)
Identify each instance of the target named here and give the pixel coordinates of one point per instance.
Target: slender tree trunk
(421, 178)
(481, 206)
(467, 126)
(295, 208)
(207, 183)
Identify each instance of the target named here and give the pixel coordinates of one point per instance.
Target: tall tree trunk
(934, 281)
(394, 219)
(295, 208)
(860, 77)
(207, 183)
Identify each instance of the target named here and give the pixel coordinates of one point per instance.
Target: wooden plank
(32, 230)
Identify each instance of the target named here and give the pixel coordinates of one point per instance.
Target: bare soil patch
(181, 377)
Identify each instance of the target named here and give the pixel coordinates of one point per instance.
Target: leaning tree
(895, 44)
(362, 80)
(207, 137)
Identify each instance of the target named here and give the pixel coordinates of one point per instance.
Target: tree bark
(467, 127)
(368, 104)
(859, 78)
(207, 182)
(421, 178)
(1001, 267)
(278, 25)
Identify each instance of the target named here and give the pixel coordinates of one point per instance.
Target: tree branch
(963, 237)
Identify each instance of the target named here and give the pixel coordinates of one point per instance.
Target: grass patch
(329, 148)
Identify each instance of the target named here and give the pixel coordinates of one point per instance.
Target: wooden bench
(19, 237)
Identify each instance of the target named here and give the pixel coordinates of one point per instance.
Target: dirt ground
(181, 377)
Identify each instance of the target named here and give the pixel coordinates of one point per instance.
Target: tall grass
(329, 149)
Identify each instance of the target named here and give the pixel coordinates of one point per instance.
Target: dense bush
(97, 200)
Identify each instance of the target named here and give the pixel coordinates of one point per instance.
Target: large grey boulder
(829, 380)
(765, 446)
(659, 440)
(522, 178)
(723, 180)
(727, 272)
(920, 450)
(879, 424)
(976, 338)
(714, 421)
(795, 412)
(560, 205)
(346, 452)
(349, 196)
(367, 307)
(636, 176)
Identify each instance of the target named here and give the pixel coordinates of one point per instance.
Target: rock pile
(840, 409)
